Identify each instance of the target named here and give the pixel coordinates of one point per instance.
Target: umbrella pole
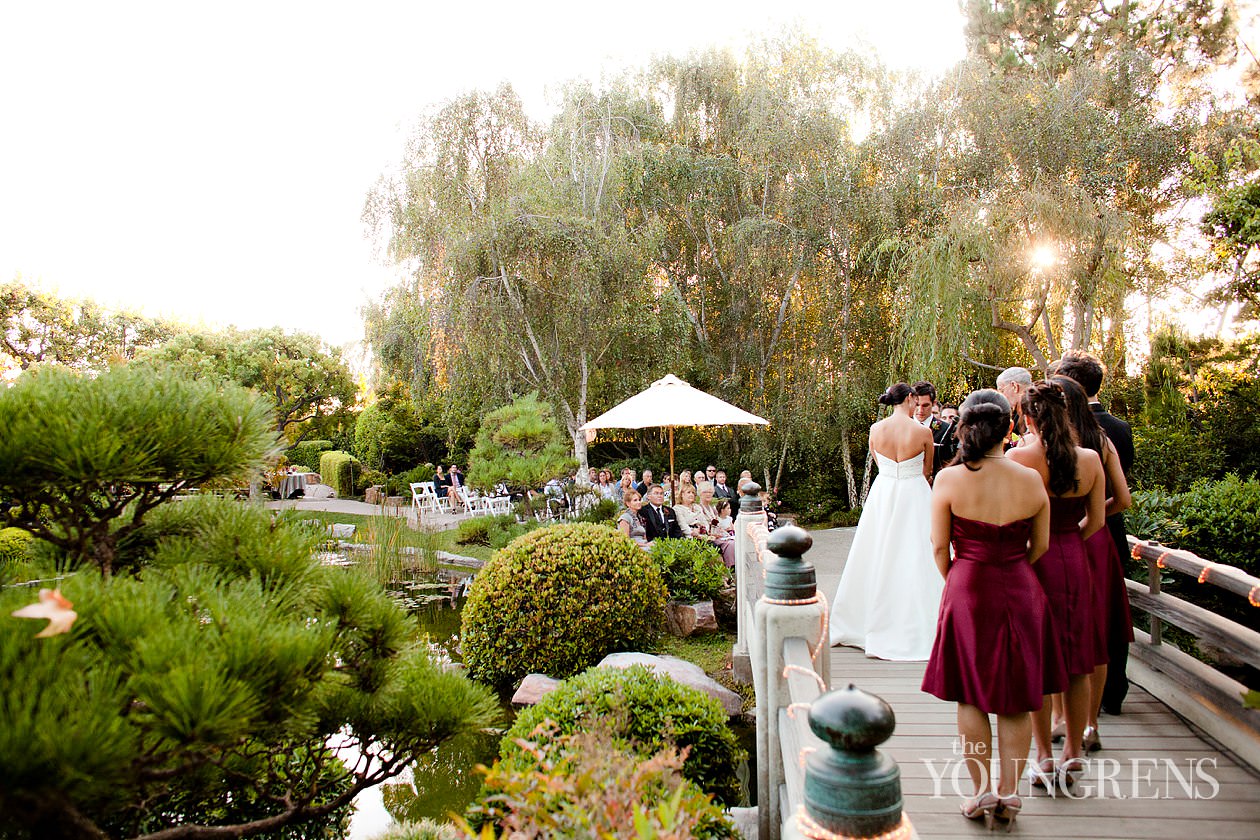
(672, 493)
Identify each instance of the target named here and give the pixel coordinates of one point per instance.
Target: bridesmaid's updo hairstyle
(895, 395)
(984, 420)
(1046, 404)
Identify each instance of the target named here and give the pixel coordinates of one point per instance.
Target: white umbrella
(671, 402)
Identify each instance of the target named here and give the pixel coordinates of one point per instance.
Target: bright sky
(209, 162)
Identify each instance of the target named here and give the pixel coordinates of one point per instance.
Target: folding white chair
(424, 498)
(501, 505)
(474, 505)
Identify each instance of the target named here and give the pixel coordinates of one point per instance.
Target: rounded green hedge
(556, 601)
(642, 712)
(693, 569)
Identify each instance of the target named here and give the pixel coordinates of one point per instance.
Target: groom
(943, 442)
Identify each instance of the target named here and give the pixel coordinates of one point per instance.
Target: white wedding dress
(890, 590)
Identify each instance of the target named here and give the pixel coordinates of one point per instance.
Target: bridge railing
(819, 773)
(1210, 699)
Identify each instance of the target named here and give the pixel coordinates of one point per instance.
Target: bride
(890, 592)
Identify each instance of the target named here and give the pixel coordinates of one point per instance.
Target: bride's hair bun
(984, 419)
(895, 395)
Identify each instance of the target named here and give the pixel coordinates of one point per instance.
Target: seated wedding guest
(720, 489)
(709, 519)
(659, 518)
(995, 650)
(627, 483)
(725, 522)
(606, 488)
(630, 522)
(644, 485)
(441, 484)
(684, 477)
(688, 511)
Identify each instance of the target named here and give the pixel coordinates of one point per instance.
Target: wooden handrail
(1230, 578)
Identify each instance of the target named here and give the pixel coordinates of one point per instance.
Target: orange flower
(52, 606)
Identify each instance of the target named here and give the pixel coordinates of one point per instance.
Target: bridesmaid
(1074, 478)
(995, 650)
(1110, 603)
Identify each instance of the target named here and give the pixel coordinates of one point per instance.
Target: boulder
(533, 688)
(341, 530)
(372, 495)
(679, 670)
(319, 491)
(689, 619)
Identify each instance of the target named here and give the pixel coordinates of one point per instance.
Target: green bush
(584, 785)
(1152, 516)
(14, 543)
(605, 510)
(476, 531)
(847, 518)
(557, 600)
(308, 451)
(341, 471)
(1221, 521)
(693, 569)
(641, 712)
(1172, 459)
(400, 485)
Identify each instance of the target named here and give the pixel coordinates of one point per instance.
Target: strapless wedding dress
(890, 591)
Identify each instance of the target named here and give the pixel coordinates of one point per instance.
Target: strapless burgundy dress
(1067, 577)
(996, 647)
(1111, 599)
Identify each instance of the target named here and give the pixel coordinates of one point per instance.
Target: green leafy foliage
(307, 452)
(84, 459)
(519, 445)
(1172, 459)
(306, 380)
(593, 590)
(693, 569)
(588, 785)
(605, 510)
(343, 472)
(641, 712)
(400, 485)
(215, 680)
(1221, 521)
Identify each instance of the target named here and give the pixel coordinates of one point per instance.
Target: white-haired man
(1012, 383)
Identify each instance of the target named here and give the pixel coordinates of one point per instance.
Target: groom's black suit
(663, 524)
(1117, 685)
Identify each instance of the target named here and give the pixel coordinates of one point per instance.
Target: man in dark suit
(1089, 372)
(720, 490)
(924, 395)
(659, 519)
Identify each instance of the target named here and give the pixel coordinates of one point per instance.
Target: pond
(447, 779)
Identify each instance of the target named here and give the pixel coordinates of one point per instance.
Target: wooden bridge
(1158, 775)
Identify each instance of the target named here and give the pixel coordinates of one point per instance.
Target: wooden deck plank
(1143, 747)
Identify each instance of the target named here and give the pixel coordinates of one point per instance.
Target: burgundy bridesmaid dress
(996, 647)
(1067, 577)
(1111, 600)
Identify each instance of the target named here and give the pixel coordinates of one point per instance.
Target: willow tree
(1060, 144)
(522, 251)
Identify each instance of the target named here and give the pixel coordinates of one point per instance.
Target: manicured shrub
(307, 452)
(585, 785)
(341, 471)
(557, 600)
(692, 569)
(641, 712)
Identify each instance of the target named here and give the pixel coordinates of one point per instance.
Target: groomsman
(943, 443)
(659, 519)
(1089, 372)
(720, 490)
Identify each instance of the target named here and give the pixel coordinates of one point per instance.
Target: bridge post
(1154, 583)
(750, 523)
(851, 788)
(790, 607)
